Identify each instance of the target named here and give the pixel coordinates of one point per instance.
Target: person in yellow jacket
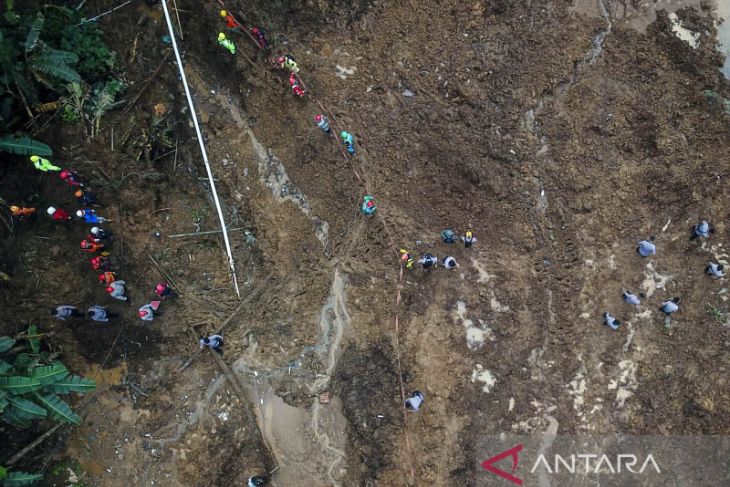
(43, 164)
(227, 43)
(287, 61)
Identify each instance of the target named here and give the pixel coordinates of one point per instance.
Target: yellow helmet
(224, 14)
(14, 208)
(221, 36)
(469, 234)
(34, 158)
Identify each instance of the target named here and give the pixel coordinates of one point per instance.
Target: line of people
(96, 242)
(647, 248)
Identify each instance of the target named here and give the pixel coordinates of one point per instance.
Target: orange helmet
(78, 193)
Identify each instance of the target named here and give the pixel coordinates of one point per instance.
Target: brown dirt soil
(560, 136)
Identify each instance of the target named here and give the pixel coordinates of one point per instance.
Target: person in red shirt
(100, 263)
(58, 215)
(91, 247)
(107, 278)
(231, 22)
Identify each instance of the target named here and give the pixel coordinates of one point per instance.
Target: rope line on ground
(211, 181)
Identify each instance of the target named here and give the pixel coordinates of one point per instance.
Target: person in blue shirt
(349, 141)
(671, 306)
(702, 229)
(610, 321)
(646, 248)
(715, 270)
(632, 298)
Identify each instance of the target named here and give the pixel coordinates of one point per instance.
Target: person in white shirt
(66, 311)
(671, 306)
(715, 270)
(215, 342)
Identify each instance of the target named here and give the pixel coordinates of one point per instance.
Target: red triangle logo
(513, 452)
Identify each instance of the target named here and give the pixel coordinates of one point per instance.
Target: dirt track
(560, 133)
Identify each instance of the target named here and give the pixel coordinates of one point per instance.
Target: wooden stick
(179, 25)
(33, 444)
(194, 234)
(146, 83)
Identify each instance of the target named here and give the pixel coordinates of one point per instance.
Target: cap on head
(109, 289)
(343, 134)
(79, 213)
(78, 193)
(224, 14)
(280, 59)
(221, 36)
(101, 277)
(206, 340)
(64, 174)
(318, 118)
(51, 210)
(35, 158)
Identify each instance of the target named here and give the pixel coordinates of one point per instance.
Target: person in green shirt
(43, 164)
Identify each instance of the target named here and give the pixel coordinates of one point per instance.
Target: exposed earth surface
(561, 132)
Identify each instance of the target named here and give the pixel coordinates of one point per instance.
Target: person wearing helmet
(368, 207)
(43, 164)
(257, 481)
(100, 263)
(428, 261)
(260, 34)
(227, 43)
(407, 259)
(91, 247)
(287, 61)
(231, 22)
(99, 233)
(116, 290)
(349, 141)
(21, 212)
(468, 238)
(146, 313)
(163, 290)
(448, 236)
(90, 216)
(85, 198)
(58, 215)
(71, 177)
(215, 342)
(322, 123)
(450, 263)
(295, 86)
(107, 278)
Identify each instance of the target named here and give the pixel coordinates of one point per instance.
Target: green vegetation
(51, 59)
(31, 381)
(16, 479)
(24, 146)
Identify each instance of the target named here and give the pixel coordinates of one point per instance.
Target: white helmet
(94, 230)
(79, 213)
(51, 210)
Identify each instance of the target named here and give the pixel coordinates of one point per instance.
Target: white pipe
(202, 148)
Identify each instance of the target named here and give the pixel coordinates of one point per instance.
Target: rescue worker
(85, 198)
(428, 261)
(21, 212)
(163, 290)
(107, 278)
(100, 263)
(407, 259)
(257, 481)
(116, 290)
(58, 215)
(468, 238)
(414, 402)
(295, 86)
(227, 43)
(90, 216)
(448, 236)
(645, 248)
(100, 233)
(66, 311)
(43, 164)
(610, 321)
(702, 229)
(99, 313)
(322, 123)
(669, 307)
(715, 270)
(450, 263)
(632, 298)
(349, 141)
(71, 177)
(231, 22)
(146, 313)
(368, 207)
(213, 341)
(287, 61)
(260, 34)
(91, 247)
